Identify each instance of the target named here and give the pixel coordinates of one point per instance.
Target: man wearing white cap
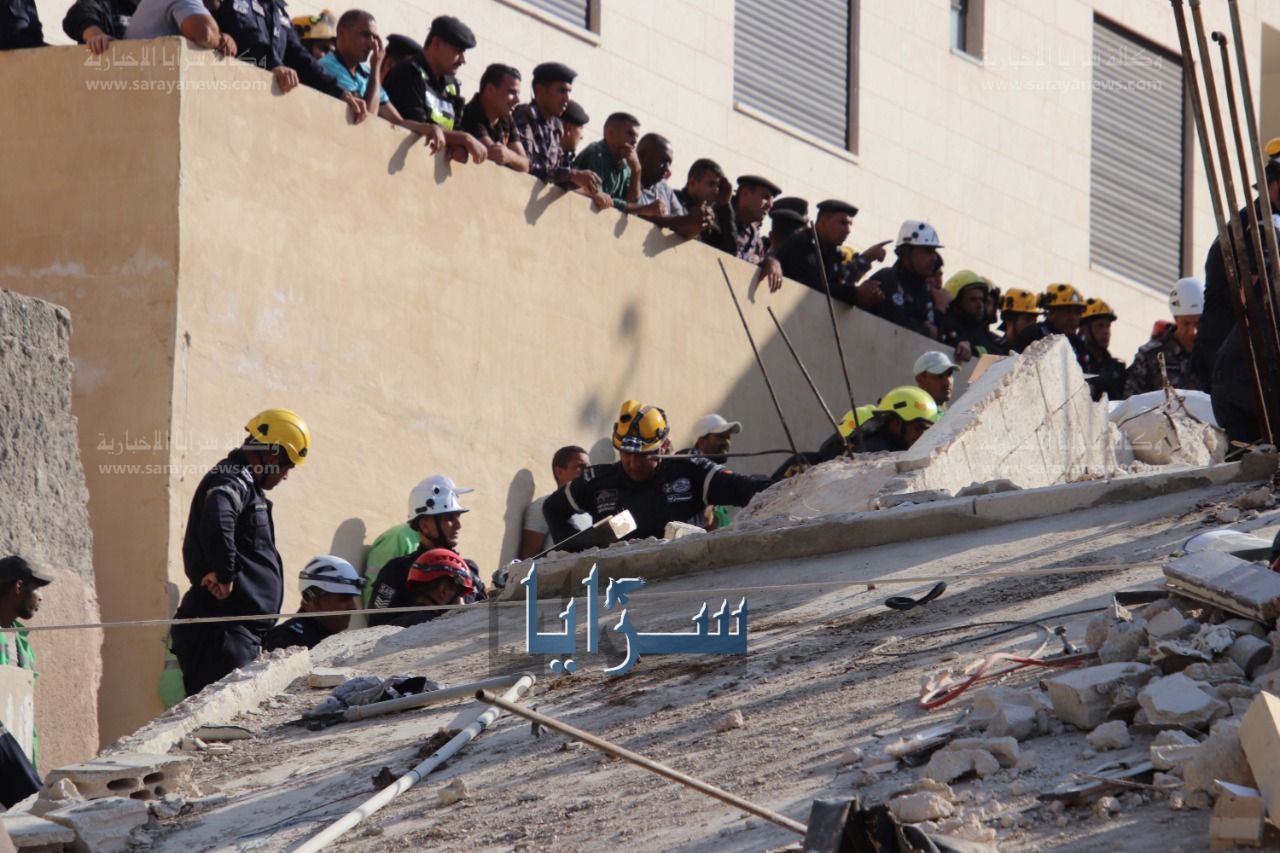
(435, 517)
(712, 437)
(935, 373)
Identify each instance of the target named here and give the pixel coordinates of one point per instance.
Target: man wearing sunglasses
(327, 584)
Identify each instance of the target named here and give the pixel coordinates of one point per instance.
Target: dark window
(966, 26)
(576, 12)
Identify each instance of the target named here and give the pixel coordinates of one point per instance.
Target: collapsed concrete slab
(101, 826)
(36, 835)
(1236, 585)
(138, 776)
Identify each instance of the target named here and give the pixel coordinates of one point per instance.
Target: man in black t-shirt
(487, 117)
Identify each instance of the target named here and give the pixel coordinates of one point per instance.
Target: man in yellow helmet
(1019, 309)
(655, 490)
(229, 551)
(1063, 309)
(964, 326)
(1107, 370)
(897, 422)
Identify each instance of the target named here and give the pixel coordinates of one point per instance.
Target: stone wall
(44, 517)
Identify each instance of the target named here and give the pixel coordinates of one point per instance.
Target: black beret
(575, 114)
(553, 72)
(757, 181)
(453, 32)
(785, 214)
(403, 44)
(832, 205)
(796, 205)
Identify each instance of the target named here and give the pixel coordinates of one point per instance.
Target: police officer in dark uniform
(787, 216)
(97, 23)
(423, 88)
(654, 490)
(1063, 308)
(799, 259)
(737, 224)
(20, 25)
(1108, 372)
(229, 551)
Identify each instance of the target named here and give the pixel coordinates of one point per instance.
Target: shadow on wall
(348, 542)
(519, 496)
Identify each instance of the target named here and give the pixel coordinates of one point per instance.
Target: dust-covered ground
(809, 688)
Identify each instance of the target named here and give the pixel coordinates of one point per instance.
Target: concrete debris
(1165, 780)
(328, 677)
(1170, 750)
(1125, 642)
(733, 721)
(933, 786)
(140, 776)
(1214, 639)
(1005, 749)
(1106, 806)
(32, 833)
(454, 792)
(1240, 626)
(140, 840)
(1255, 499)
(1020, 722)
(1179, 701)
(1219, 670)
(1238, 818)
(1227, 515)
(1167, 625)
(1176, 655)
(204, 804)
(168, 808)
(1219, 758)
(1112, 735)
(917, 808)
(1163, 431)
(851, 755)
(948, 765)
(1236, 585)
(1249, 653)
(1083, 697)
(988, 703)
(55, 795)
(1260, 739)
(102, 826)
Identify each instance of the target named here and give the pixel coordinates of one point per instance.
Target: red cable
(938, 698)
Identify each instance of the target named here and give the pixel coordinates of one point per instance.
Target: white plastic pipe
(335, 831)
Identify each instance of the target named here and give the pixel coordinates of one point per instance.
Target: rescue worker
(964, 326)
(436, 577)
(566, 464)
(327, 584)
(799, 259)
(935, 375)
(1176, 344)
(712, 438)
(654, 490)
(1019, 310)
(424, 88)
(1063, 307)
(229, 550)
(897, 421)
(318, 33)
(902, 294)
(20, 598)
(1107, 370)
(401, 539)
(436, 515)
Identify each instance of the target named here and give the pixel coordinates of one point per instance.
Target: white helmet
(435, 495)
(331, 574)
(916, 233)
(1187, 297)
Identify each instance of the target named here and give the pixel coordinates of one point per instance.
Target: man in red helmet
(437, 577)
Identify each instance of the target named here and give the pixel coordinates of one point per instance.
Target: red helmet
(441, 563)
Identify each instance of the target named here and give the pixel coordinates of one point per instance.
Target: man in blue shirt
(358, 42)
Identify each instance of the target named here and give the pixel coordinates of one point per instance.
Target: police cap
(452, 31)
(575, 114)
(796, 205)
(757, 181)
(553, 72)
(832, 205)
(402, 45)
(783, 214)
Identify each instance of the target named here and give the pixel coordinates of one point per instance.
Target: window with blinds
(794, 63)
(1137, 169)
(576, 12)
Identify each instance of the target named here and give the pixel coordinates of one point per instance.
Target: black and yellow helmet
(281, 428)
(1061, 296)
(1095, 308)
(909, 403)
(641, 428)
(1016, 301)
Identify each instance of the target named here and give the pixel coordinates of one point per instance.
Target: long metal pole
(786, 429)
(807, 377)
(1211, 173)
(335, 830)
(640, 761)
(835, 329)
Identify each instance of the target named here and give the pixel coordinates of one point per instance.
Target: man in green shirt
(402, 539)
(615, 161)
(20, 597)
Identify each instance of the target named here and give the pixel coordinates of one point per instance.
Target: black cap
(796, 205)
(17, 569)
(403, 44)
(453, 32)
(553, 72)
(575, 114)
(832, 205)
(785, 214)
(757, 181)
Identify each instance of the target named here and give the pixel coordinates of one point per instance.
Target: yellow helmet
(1272, 148)
(641, 428)
(909, 403)
(963, 279)
(1095, 308)
(322, 26)
(1017, 301)
(1061, 296)
(856, 418)
(281, 428)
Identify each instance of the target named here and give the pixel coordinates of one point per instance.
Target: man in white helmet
(905, 297)
(1186, 302)
(401, 540)
(436, 515)
(327, 584)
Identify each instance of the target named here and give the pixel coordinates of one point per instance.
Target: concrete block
(17, 704)
(679, 530)
(1084, 696)
(102, 826)
(1179, 701)
(1249, 652)
(34, 835)
(1260, 740)
(1112, 735)
(1007, 712)
(947, 765)
(328, 677)
(1237, 585)
(1124, 642)
(919, 807)
(1167, 625)
(1218, 759)
(139, 776)
(1238, 818)
(1170, 750)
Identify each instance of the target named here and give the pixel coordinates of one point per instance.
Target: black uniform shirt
(418, 95)
(296, 632)
(476, 123)
(264, 34)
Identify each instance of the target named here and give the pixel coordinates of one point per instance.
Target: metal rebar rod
(835, 329)
(786, 429)
(640, 761)
(431, 697)
(807, 378)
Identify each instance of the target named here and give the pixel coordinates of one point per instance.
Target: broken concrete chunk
(1176, 655)
(141, 776)
(1020, 722)
(1238, 586)
(1005, 749)
(851, 755)
(1214, 639)
(733, 721)
(1220, 758)
(679, 530)
(1220, 670)
(330, 677)
(1255, 499)
(453, 792)
(948, 765)
(1124, 642)
(1228, 515)
(1179, 701)
(101, 826)
(1238, 814)
(1240, 625)
(917, 808)
(168, 808)
(1170, 750)
(1167, 625)
(55, 795)
(1083, 697)
(32, 833)
(1112, 735)
(1260, 739)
